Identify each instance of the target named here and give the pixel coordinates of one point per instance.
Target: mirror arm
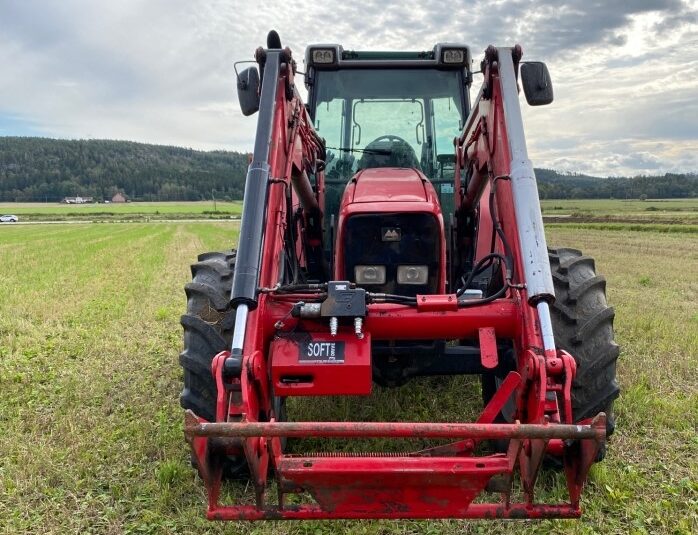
(241, 82)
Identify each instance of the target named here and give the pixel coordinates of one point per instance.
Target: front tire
(583, 326)
(208, 329)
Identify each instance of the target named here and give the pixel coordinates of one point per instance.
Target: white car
(8, 219)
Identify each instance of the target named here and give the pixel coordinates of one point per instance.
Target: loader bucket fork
(439, 482)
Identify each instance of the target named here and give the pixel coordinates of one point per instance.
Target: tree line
(48, 170)
(555, 185)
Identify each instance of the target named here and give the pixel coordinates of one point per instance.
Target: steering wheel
(399, 154)
(389, 137)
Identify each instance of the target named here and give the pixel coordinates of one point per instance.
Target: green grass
(617, 206)
(623, 226)
(92, 430)
(656, 212)
(632, 211)
(124, 211)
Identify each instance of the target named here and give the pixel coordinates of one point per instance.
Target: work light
(369, 274)
(412, 274)
(323, 55)
(451, 55)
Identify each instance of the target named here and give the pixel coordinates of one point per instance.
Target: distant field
(620, 206)
(89, 380)
(568, 211)
(129, 211)
(682, 212)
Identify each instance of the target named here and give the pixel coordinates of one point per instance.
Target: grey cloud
(554, 28)
(678, 20)
(161, 70)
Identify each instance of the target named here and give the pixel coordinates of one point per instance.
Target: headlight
(454, 56)
(369, 274)
(412, 274)
(323, 55)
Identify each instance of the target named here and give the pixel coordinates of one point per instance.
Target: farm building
(119, 197)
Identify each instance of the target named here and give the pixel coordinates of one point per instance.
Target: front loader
(391, 229)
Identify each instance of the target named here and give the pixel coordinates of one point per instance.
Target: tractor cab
(388, 110)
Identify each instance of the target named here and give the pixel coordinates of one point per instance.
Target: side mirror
(537, 85)
(248, 90)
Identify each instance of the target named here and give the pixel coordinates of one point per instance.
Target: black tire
(208, 329)
(583, 326)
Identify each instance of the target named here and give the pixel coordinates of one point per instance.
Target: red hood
(390, 184)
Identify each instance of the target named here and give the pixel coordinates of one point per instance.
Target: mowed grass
(89, 379)
(666, 215)
(130, 210)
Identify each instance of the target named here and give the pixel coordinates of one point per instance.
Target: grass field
(620, 206)
(665, 215)
(672, 212)
(122, 211)
(92, 429)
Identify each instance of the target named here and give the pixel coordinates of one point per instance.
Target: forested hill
(42, 169)
(554, 185)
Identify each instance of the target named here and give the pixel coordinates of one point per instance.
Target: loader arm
(279, 279)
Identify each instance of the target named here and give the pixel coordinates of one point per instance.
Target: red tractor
(391, 229)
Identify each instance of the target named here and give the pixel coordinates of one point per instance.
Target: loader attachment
(412, 485)
(390, 230)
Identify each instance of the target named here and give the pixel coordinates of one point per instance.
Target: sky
(625, 74)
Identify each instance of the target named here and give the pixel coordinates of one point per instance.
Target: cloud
(625, 74)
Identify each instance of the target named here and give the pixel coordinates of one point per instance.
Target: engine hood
(390, 216)
(390, 184)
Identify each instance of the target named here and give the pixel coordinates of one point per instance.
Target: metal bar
(398, 322)
(390, 63)
(488, 347)
(501, 396)
(239, 331)
(471, 121)
(488, 415)
(546, 326)
(394, 430)
(304, 190)
(477, 184)
(387, 321)
(534, 250)
(475, 510)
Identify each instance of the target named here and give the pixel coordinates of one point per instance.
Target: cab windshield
(388, 118)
